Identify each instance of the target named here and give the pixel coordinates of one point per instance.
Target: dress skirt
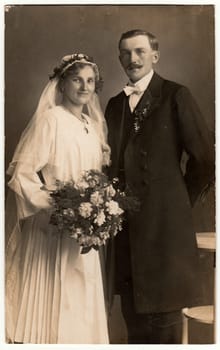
(59, 292)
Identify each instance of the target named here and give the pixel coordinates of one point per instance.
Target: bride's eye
(76, 79)
(91, 80)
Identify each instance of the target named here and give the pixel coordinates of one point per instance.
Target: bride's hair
(71, 64)
(76, 67)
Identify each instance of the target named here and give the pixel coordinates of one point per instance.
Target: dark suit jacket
(164, 256)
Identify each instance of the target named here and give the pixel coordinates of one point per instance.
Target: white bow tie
(129, 90)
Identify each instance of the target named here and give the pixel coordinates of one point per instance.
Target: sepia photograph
(109, 174)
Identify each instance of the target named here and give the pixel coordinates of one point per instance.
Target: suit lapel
(150, 101)
(121, 123)
(152, 95)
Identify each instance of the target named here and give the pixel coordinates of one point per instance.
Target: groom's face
(137, 57)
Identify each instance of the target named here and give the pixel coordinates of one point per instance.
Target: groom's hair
(135, 32)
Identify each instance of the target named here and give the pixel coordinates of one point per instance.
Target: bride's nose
(84, 86)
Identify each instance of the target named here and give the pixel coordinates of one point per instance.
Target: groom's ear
(120, 59)
(156, 56)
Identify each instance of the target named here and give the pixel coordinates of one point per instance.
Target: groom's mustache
(134, 65)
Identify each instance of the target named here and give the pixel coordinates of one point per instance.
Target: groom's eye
(76, 79)
(140, 51)
(124, 54)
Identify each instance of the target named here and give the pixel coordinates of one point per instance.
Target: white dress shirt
(139, 87)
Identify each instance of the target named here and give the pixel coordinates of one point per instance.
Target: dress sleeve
(31, 158)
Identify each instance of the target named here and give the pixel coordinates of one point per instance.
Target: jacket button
(144, 167)
(143, 153)
(145, 182)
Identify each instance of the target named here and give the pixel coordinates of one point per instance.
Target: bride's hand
(106, 152)
(49, 188)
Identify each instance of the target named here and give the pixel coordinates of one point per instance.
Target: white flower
(113, 208)
(104, 235)
(80, 56)
(69, 211)
(74, 235)
(90, 230)
(100, 219)
(86, 241)
(110, 191)
(82, 184)
(96, 198)
(92, 182)
(85, 209)
(96, 240)
(82, 240)
(76, 232)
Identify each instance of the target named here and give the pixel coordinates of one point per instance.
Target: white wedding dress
(54, 294)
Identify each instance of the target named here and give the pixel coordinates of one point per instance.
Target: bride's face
(79, 86)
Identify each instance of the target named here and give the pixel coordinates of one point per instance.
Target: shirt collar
(143, 83)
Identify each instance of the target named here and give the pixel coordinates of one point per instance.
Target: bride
(54, 294)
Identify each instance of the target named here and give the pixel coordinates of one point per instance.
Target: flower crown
(69, 60)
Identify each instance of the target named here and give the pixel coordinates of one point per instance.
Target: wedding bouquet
(91, 210)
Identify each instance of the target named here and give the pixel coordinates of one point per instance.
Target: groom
(154, 261)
